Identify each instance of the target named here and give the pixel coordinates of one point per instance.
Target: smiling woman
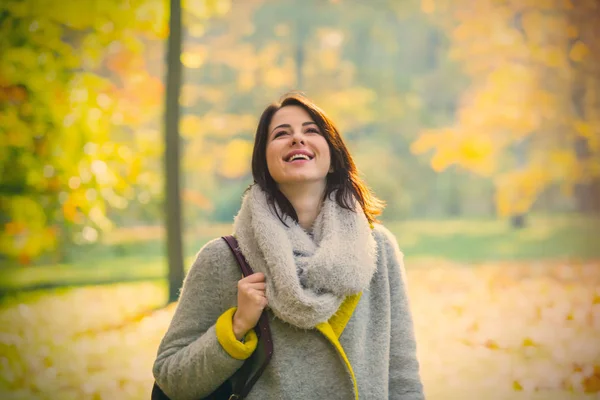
(297, 152)
(328, 277)
(296, 125)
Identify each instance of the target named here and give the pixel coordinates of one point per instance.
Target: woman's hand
(251, 303)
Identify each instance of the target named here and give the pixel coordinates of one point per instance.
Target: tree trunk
(518, 221)
(172, 159)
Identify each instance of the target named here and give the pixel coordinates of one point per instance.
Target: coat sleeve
(404, 376)
(199, 351)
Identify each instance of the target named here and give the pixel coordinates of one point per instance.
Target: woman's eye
(278, 134)
(312, 130)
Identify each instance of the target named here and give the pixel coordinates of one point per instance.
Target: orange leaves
(73, 205)
(516, 350)
(84, 334)
(12, 94)
(123, 62)
(197, 199)
(14, 228)
(139, 97)
(591, 384)
(27, 235)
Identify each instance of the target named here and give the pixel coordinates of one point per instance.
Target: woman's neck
(306, 200)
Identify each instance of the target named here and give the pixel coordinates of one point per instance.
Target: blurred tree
(60, 165)
(172, 175)
(80, 101)
(379, 81)
(527, 120)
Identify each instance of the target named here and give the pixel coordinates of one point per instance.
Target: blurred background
(477, 122)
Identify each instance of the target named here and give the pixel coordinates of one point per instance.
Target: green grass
(469, 241)
(544, 237)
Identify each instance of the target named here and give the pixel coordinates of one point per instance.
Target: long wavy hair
(344, 178)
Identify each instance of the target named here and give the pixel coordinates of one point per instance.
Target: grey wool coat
(366, 351)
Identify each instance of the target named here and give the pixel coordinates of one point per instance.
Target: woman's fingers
(251, 302)
(257, 286)
(256, 277)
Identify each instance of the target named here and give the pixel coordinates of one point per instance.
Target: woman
(331, 278)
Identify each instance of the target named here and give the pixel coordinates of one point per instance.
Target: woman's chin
(302, 179)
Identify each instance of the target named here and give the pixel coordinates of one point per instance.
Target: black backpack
(240, 384)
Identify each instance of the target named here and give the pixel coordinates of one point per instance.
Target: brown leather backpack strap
(244, 382)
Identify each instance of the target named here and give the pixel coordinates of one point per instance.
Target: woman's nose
(297, 137)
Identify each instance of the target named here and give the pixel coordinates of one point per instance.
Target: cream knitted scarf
(307, 278)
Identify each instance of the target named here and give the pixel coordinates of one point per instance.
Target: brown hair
(344, 177)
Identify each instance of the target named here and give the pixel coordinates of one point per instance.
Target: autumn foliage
(530, 117)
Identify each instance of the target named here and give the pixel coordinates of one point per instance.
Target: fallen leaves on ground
(489, 331)
(508, 330)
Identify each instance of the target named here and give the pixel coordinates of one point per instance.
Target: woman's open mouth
(298, 157)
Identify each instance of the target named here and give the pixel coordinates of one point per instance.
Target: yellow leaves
(245, 81)
(218, 7)
(329, 59)
(471, 150)
(235, 161)
(433, 140)
(190, 94)
(190, 125)
(579, 51)
(429, 140)
(278, 77)
(517, 190)
(193, 58)
(554, 57)
(477, 154)
(441, 160)
(563, 165)
(350, 107)
(521, 72)
(428, 6)
(214, 124)
(152, 18)
(85, 334)
(27, 235)
(516, 350)
(572, 31)
(73, 205)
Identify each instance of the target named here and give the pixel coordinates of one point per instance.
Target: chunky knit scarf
(308, 276)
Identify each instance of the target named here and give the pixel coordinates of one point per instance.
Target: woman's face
(297, 152)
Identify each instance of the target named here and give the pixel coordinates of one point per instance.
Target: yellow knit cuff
(227, 339)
